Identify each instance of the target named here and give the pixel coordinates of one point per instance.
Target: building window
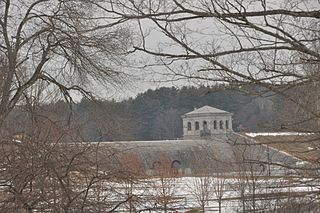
(189, 126)
(205, 125)
(227, 124)
(221, 124)
(215, 124)
(197, 125)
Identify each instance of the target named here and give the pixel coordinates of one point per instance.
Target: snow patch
(17, 141)
(255, 134)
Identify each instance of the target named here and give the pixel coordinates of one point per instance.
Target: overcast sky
(201, 34)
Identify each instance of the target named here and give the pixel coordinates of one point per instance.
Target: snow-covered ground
(182, 194)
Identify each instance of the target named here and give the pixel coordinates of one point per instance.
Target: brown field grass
(304, 147)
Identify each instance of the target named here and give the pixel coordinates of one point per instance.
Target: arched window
(175, 167)
(227, 124)
(189, 126)
(176, 164)
(197, 125)
(221, 124)
(204, 124)
(215, 124)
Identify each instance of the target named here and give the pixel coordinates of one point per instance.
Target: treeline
(156, 114)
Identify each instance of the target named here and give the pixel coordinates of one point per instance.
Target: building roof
(207, 110)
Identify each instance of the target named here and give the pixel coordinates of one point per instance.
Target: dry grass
(304, 147)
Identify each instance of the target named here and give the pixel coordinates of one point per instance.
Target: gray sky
(205, 35)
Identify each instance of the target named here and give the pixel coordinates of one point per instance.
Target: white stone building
(206, 122)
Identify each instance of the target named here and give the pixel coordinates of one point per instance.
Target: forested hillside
(156, 114)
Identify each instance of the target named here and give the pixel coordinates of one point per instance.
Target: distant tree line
(156, 114)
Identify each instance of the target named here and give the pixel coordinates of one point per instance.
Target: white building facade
(206, 122)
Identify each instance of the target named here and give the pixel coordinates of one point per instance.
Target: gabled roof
(207, 110)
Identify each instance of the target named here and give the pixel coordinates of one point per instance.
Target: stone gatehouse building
(206, 122)
(209, 145)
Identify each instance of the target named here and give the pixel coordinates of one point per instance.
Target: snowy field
(185, 194)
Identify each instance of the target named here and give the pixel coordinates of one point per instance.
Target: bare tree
(259, 42)
(164, 186)
(271, 45)
(219, 188)
(66, 44)
(201, 189)
(44, 167)
(41, 173)
(51, 49)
